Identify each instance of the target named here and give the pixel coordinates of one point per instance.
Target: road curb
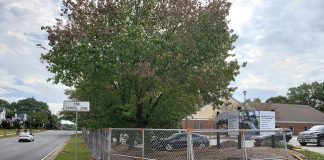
(52, 155)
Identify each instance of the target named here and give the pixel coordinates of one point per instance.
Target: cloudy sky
(282, 41)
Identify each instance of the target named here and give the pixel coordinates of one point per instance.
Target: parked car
(179, 140)
(277, 136)
(25, 136)
(314, 135)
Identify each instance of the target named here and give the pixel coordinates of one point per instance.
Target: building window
(306, 128)
(197, 126)
(291, 128)
(277, 126)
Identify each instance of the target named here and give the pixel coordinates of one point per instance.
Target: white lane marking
(55, 149)
(17, 149)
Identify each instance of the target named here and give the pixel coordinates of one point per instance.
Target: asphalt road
(45, 142)
(311, 147)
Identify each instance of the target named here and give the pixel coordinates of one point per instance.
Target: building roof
(21, 116)
(291, 113)
(208, 112)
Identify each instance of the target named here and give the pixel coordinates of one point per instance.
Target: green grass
(8, 131)
(68, 152)
(312, 155)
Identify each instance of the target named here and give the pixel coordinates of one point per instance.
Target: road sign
(76, 106)
(80, 106)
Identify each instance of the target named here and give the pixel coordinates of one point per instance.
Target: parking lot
(311, 147)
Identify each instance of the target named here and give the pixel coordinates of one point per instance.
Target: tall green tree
(4, 103)
(142, 63)
(9, 108)
(30, 105)
(277, 99)
(255, 100)
(309, 94)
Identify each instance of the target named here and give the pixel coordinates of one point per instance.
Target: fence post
(285, 143)
(218, 140)
(190, 153)
(143, 147)
(239, 140)
(244, 145)
(109, 142)
(101, 144)
(188, 145)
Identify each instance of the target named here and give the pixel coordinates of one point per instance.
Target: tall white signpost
(77, 106)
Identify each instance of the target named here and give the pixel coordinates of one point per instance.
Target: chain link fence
(181, 144)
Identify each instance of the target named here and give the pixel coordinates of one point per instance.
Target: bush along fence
(186, 144)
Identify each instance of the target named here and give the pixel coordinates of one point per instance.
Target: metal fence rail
(181, 144)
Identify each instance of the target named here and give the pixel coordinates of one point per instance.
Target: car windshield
(317, 128)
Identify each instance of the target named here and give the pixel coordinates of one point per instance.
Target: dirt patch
(227, 151)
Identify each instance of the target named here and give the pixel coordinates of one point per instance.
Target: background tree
(5, 124)
(278, 99)
(39, 119)
(9, 108)
(4, 103)
(30, 105)
(34, 109)
(255, 100)
(142, 63)
(308, 94)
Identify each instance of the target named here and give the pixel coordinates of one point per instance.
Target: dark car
(179, 140)
(277, 136)
(314, 135)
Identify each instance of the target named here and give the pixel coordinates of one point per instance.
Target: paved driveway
(311, 147)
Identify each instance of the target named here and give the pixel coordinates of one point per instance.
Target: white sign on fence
(267, 122)
(233, 122)
(80, 106)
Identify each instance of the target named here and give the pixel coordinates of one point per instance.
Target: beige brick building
(296, 117)
(205, 116)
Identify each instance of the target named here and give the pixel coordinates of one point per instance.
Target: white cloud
(22, 73)
(282, 43)
(55, 107)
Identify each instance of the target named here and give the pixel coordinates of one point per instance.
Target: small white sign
(267, 122)
(80, 106)
(233, 122)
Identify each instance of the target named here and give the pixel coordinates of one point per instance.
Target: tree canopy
(311, 94)
(4, 103)
(255, 100)
(278, 99)
(142, 63)
(38, 112)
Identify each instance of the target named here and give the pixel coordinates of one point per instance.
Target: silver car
(25, 136)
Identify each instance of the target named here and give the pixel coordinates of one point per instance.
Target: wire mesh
(180, 144)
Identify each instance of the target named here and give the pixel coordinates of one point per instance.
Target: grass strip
(7, 131)
(68, 152)
(311, 155)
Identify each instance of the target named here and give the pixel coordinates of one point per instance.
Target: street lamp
(244, 93)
